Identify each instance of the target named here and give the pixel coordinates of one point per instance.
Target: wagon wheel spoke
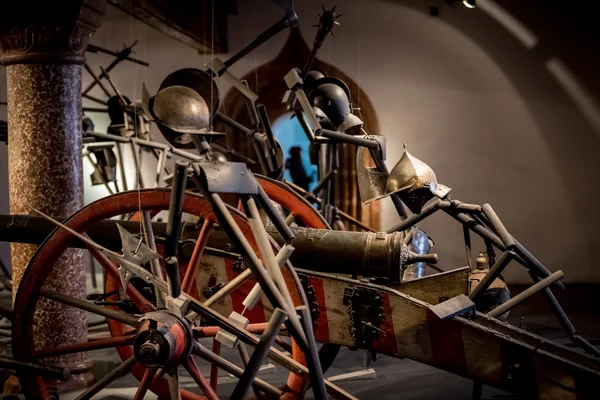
(174, 387)
(145, 383)
(192, 368)
(123, 369)
(116, 341)
(194, 263)
(233, 369)
(120, 316)
(214, 368)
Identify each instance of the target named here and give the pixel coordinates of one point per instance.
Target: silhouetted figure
(294, 164)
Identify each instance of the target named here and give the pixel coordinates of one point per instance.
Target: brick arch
(271, 88)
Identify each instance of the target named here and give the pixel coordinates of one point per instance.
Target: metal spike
(336, 23)
(323, 7)
(333, 9)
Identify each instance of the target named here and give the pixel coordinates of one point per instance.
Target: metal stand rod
(527, 293)
(122, 166)
(227, 223)
(264, 166)
(122, 317)
(342, 214)
(120, 371)
(486, 234)
(340, 137)
(259, 355)
(272, 267)
(160, 166)
(587, 346)
(457, 205)
(174, 227)
(201, 143)
(279, 223)
(154, 263)
(399, 206)
(561, 315)
(323, 182)
(264, 247)
(312, 356)
(529, 259)
(229, 287)
(94, 109)
(94, 49)
(214, 368)
(96, 79)
(233, 369)
(46, 371)
(260, 39)
(266, 124)
(122, 55)
(491, 254)
(232, 123)
(243, 352)
(467, 237)
(94, 99)
(255, 294)
(494, 272)
(498, 226)
(416, 218)
(304, 124)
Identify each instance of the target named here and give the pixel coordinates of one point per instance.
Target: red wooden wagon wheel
(123, 338)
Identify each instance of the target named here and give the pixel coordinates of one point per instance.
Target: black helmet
(332, 96)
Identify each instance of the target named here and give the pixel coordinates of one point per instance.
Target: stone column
(43, 46)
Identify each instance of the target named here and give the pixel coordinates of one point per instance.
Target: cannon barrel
(371, 254)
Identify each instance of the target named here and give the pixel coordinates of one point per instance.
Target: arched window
(289, 133)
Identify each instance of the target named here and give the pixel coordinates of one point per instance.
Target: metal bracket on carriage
(365, 307)
(228, 339)
(458, 305)
(228, 177)
(311, 297)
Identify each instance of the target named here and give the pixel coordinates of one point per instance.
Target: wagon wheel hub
(162, 339)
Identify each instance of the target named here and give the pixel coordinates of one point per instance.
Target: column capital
(48, 32)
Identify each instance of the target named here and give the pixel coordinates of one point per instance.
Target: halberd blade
(134, 250)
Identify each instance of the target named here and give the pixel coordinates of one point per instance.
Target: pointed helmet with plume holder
(415, 182)
(412, 179)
